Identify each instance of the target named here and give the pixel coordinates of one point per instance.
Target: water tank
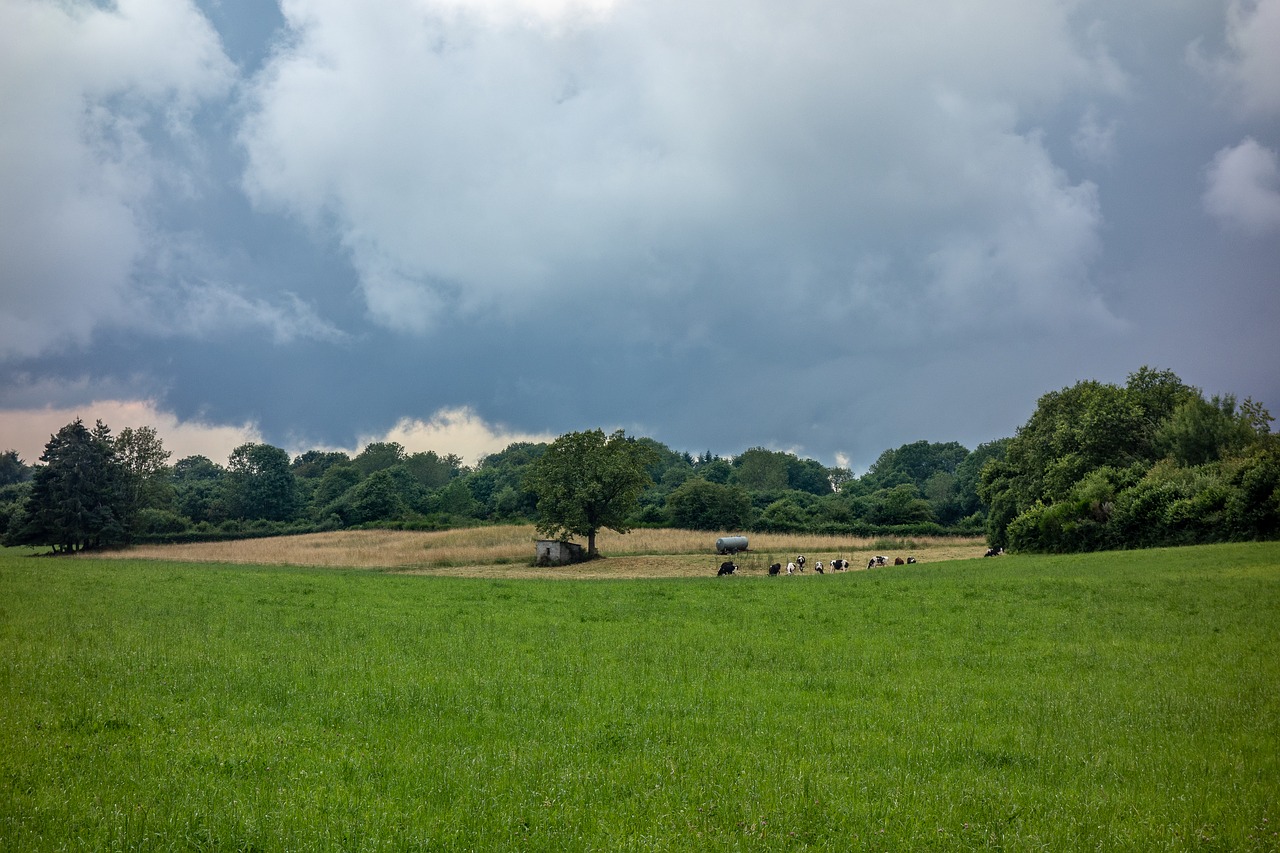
(731, 544)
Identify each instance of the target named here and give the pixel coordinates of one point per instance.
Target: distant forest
(1097, 466)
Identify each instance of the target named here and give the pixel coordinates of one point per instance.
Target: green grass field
(1107, 702)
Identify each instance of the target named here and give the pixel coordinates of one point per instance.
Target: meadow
(1124, 701)
(508, 551)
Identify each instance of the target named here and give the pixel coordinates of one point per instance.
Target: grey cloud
(1253, 67)
(476, 166)
(86, 87)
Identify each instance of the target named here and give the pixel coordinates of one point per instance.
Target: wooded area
(1096, 466)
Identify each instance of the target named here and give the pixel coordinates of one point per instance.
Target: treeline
(1153, 462)
(137, 496)
(1097, 466)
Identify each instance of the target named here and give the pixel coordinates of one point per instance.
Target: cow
(775, 568)
(871, 564)
(727, 568)
(800, 562)
(911, 561)
(898, 561)
(791, 568)
(993, 552)
(818, 567)
(881, 560)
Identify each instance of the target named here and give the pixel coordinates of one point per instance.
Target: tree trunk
(591, 545)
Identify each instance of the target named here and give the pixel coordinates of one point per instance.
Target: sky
(828, 228)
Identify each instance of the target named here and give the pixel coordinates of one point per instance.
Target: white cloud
(82, 86)
(1243, 189)
(475, 161)
(451, 430)
(459, 431)
(28, 430)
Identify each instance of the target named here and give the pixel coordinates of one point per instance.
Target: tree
(914, 463)
(433, 471)
(761, 470)
(586, 481)
(198, 484)
(378, 455)
(313, 464)
(12, 469)
(144, 476)
(260, 484)
(76, 496)
(701, 505)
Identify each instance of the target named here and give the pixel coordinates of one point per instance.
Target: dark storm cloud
(830, 228)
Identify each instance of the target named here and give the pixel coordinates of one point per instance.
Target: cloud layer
(471, 161)
(826, 227)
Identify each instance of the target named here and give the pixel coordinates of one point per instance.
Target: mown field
(507, 551)
(1117, 702)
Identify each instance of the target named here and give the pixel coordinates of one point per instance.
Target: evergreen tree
(77, 497)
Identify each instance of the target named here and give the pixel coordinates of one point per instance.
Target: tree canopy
(587, 481)
(1150, 463)
(77, 498)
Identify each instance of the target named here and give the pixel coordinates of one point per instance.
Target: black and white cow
(776, 568)
(727, 568)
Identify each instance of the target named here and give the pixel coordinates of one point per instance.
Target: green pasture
(1126, 701)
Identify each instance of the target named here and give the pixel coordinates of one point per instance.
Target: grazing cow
(871, 564)
(911, 560)
(993, 552)
(800, 562)
(727, 568)
(775, 568)
(898, 561)
(791, 568)
(881, 560)
(818, 567)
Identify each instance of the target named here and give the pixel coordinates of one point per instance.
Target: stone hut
(553, 552)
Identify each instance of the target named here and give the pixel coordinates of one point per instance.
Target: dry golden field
(507, 552)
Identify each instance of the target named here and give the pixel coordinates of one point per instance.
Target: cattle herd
(796, 566)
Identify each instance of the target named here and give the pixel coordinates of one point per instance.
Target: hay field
(507, 552)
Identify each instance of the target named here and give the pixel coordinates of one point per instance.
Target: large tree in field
(77, 496)
(587, 481)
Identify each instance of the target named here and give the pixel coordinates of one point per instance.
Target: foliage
(314, 463)
(12, 469)
(199, 490)
(145, 478)
(702, 505)
(77, 499)
(260, 484)
(1100, 466)
(378, 455)
(586, 481)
